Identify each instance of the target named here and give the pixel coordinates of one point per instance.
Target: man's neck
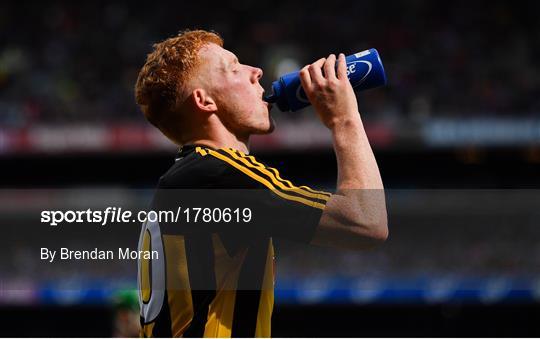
(214, 134)
(229, 142)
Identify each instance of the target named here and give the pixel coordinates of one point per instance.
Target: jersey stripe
(277, 175)
(248, 292)
(201, 151)
(265, 182)
(178, 288)
(146, 329)
(264, 171)
(227, 267)
(145, 271)
(266, 304)
(202, 279)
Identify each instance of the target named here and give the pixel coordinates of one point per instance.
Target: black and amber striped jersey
(215, 277)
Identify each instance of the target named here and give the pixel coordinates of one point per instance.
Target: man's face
(235, 88)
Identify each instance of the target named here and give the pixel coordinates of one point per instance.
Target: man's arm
(355, 217)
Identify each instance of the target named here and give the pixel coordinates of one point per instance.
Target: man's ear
(203, 100)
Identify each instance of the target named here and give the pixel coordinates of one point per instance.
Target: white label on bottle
(361, 54)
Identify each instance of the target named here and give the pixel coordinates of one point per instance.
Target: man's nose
(257, 73)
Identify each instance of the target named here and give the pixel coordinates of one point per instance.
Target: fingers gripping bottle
(364, 70)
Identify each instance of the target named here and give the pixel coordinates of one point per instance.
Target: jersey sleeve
(278, 207)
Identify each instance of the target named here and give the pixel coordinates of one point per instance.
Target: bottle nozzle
(271, 98)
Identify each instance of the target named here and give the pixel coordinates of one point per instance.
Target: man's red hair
(160, 88)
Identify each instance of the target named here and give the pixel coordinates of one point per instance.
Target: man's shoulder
(212, 168)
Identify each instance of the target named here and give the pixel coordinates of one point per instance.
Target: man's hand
(355, 217)
(329, 92)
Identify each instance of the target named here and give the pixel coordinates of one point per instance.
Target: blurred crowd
(65, 62)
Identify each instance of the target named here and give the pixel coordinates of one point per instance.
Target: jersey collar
(187, 149)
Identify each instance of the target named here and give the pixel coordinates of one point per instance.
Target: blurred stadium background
(456, 133)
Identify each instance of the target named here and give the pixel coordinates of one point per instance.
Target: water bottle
(364, 70)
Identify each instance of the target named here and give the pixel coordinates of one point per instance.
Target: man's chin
(267, 129)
